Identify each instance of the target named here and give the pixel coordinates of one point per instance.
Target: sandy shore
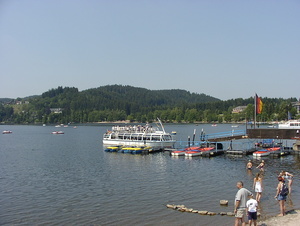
(292, 218)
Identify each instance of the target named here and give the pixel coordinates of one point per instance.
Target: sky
(225, 49)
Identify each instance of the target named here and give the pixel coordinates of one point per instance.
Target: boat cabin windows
(156, 137)
(147, 137)
(106, 135)
(138, 136)
(167, 137)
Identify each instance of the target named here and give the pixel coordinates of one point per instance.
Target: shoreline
(292, 218)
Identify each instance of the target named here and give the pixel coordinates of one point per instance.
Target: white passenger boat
(291, 124)
(137, 135)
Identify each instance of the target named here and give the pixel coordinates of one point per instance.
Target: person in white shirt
(252, 210)
(240, 203)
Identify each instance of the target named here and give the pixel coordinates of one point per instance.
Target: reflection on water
(69, 179)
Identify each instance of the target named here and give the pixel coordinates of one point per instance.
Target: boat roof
(136, 129)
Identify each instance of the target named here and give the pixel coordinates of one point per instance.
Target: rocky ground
(292, 218)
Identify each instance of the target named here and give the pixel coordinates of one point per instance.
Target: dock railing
(227, 134)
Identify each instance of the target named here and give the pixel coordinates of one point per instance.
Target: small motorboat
(265, 152)
(198, 152)
(193, 153)
(140, 150)
(6, 132)
(113, 148)
(127, 150)
(193, 148)
(134, 149)
(178, 152)
(58, 132)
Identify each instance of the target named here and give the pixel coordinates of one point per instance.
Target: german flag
(259, 104)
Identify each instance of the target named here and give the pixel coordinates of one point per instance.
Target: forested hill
(116, 95)
(117, 102)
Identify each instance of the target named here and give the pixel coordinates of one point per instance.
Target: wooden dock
(255, 134)
(273, 133)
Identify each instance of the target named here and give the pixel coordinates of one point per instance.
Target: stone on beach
(224, 202)
(203, 212)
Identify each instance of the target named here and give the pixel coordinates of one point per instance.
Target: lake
(68, 179)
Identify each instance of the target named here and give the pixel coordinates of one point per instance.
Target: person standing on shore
(289, 177)
(281, 195)
(240, 203)
(252, 210)
(258, 186)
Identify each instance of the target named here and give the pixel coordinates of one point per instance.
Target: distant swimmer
(261, 166)
(249, 165)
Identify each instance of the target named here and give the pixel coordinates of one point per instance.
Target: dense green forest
(117, 103)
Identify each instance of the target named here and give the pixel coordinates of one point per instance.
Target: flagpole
(255, 110)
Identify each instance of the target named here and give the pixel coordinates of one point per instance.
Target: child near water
(252, 210)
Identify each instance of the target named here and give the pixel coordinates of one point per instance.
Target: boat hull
(261, 154)
(178, 153)
(193, 153)
(198, 152)
(265, 152)
(153, 144)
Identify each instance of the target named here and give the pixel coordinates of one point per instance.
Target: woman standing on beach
(257, 185)
(289, 177)
(280, 196)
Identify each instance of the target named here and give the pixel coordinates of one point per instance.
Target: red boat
(178, 152)
(197, 152)
(265, 152)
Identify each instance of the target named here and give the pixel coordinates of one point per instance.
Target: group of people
(244, 199)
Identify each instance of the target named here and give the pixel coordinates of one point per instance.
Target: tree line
(117, 103)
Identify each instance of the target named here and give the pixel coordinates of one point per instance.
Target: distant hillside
(6, 100)
(117, 102)
(128, 95)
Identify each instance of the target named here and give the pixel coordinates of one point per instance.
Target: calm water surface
(69, 180)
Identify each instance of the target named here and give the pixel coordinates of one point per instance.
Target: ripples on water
(69, 179)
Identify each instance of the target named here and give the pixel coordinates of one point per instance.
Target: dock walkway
(225, 136)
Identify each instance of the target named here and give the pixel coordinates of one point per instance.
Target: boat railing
(227, 145)
(134, 129)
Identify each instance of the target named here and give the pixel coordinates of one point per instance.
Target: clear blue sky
(225, 49)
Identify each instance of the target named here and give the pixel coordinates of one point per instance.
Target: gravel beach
(292, 218)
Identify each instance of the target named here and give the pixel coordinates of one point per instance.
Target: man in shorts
(240, 203)
(252, 210)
